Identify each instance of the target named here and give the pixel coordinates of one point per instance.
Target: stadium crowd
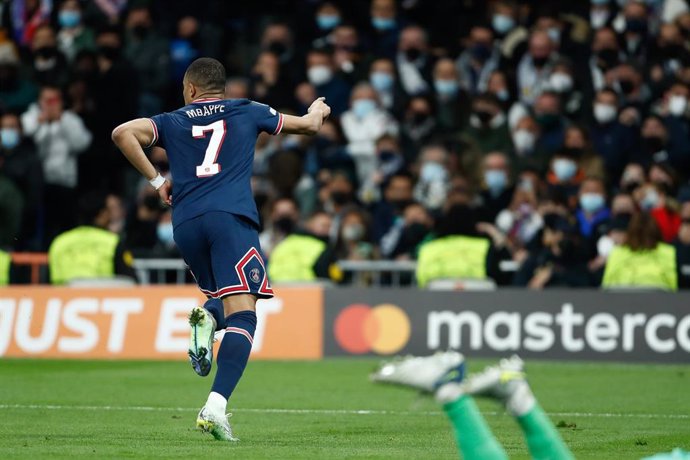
(549, 134)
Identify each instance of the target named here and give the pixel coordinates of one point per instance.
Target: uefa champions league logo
(254, 275)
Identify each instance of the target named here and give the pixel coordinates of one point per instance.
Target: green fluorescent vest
(84, 252)
(654, 268)
(294, 258)
(452, 257)
(5, 260)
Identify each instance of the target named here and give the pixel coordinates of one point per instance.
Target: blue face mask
(327, 21)
(502, 23)
(381, 81)
(363, 107)
(383, 23)
(503, 95)
(9, 138)
(564, 169)
(446, 87)
(600, 2)
(164, 231)
(591, 202)
(69, 18)
(496, 180)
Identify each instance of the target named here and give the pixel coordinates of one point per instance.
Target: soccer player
(210, 147)
(443, 374)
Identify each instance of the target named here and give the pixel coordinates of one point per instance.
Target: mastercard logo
(383, 329)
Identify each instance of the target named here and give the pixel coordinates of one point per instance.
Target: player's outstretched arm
(310, 123)
(130, 138)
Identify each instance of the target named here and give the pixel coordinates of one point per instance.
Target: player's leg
(203, 321)
(507, 383)
(241, 277)
(443, 373)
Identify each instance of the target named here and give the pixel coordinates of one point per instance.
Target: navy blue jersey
(210, 147)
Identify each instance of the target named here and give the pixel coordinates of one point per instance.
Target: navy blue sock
(215, 308)
(234, 351)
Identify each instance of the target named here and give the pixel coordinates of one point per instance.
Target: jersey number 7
(209, 167)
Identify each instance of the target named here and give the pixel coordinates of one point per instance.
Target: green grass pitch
(282, 410)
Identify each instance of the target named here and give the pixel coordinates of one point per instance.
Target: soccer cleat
(203, 328)
(499, 382)
(218, 427)
(424, 373)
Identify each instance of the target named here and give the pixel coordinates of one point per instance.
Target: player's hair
(208, 74)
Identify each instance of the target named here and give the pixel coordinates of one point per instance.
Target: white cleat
(218, 426)
(498, 381)
(201, 336)
(425, 373)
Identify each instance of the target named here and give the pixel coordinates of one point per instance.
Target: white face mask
(677, 105)
(598, 18)
(604, 113)
(561, 82)
(319, 75)
(523, 140)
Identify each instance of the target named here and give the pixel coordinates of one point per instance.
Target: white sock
(216, 403)
(449, 392)
(521, 401)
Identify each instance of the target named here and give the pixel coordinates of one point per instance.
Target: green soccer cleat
(203, 328)
(217, 426)
(423, 373)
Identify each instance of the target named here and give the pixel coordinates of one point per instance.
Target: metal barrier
(144, 268)
(376, 269)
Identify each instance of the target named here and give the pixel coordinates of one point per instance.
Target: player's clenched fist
(320, 106)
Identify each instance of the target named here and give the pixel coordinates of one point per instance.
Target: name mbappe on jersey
(210, 147)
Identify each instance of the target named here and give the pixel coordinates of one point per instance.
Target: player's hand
(320, 106)
(165, 193)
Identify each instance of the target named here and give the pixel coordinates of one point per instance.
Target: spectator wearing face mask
(389, 161)
(634, 93)
(677, 123)
(613, 235)
(527, 151)
(592, 213)
(451, 101)
(634, 176)
(534, 69)
(577, 141)
(414, 62)
(600, 14)
(497, 84)
(418, 127)
(277, 37)
(19, 162)
(384, 81)
(354, 241)
(185, 47)
(16, 93)
(433, 183)
(605, 55)
(488, 126)
(363, 124)
(682, 245)
(643, 260)
(327, 17)
(417, 224)
(165, 243)
(510, 34)
(565, 176)
(559, 261)
(282, 221)
(385, 28)
(652, 199)
(614, 141)
(49, 65)
(654, 143)
(636, 31)
(387, 213)
(321, 74)
(548, 113)
(668, 54)
(269, 85)
(520, 222)
(478, 61)
(149, 54)
(562, 82)
(73, 35)
(497, 190)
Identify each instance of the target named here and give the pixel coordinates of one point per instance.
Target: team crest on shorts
(254, 275)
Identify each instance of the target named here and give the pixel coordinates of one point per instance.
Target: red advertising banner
(144, 322)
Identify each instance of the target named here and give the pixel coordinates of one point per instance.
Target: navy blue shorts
(222, 251)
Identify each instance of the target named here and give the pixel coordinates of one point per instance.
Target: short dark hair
(207, 73)
(90, 206)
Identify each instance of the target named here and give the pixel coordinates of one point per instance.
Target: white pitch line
(322, 411)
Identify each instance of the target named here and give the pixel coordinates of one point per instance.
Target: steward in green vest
(305, 256)
(644, 260)
(5, 261)
(457, 251)
(90, 250)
